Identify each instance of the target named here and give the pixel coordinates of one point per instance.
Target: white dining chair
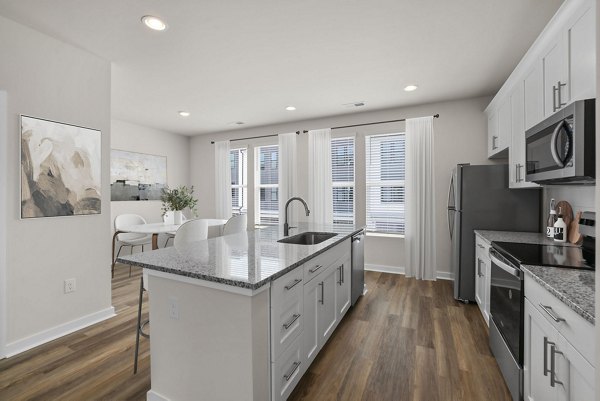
(130, 239)
(236, 224)
(191, 231)
(169, 218)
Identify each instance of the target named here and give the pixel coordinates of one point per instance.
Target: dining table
(215, 229)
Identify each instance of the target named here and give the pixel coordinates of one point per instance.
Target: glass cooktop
(544, 255)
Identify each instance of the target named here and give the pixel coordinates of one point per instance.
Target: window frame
(345, 184)
(242, 179)
(258, 185)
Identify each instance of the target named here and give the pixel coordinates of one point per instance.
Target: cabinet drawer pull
(289, 375)
(292, 320)
(553, 353)
(322, 293)
(314, 269)
(494, 146)
(547, 309)
(479, 273)
(290, 286)
(341, 271)
(481, 246)
(554, 90)
(560, 103)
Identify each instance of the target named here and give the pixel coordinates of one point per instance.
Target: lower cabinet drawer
(286, 324)
(287, 370)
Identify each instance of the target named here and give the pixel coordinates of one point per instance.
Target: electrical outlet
(173, 308)
(70, 285)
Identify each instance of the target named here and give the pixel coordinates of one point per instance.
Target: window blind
(342, 173)
(267, 184)
(385, 160)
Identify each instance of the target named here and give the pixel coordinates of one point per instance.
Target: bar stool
(140, 324)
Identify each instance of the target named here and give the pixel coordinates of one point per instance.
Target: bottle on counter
(551, 220)
(560, 228)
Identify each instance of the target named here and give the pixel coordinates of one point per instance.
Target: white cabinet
(499, 131)
(482, 277)
(534, 96)
(327, 311)
(552, 368)
(555, 65)
(311, 336)
(558, 349)
(581, 38)
(516, 156)
(343, 289)
(287, 371)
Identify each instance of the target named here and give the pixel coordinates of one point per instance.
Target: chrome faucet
(286, 226)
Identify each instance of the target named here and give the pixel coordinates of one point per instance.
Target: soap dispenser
(560, 228)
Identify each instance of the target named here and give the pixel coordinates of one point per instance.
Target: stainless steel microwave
(562, 148)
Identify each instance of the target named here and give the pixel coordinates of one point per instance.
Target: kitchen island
(241, 317)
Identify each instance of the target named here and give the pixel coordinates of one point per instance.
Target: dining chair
(191, 231)
(235, 224)
(169, 218)
(140, 325)
(130, 239)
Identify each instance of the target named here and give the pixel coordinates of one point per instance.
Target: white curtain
(320, 192)
(420, 199)
(287, 172)
(222, 180)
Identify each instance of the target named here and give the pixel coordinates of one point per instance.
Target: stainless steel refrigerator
(479, 199)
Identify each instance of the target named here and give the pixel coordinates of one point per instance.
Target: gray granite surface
(522, 237)
(573, 287)
(248, 260)
(576, 288)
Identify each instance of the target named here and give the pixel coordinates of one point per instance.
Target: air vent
(353, 105)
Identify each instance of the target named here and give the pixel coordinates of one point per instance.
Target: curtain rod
(343, 126)
(254, 137)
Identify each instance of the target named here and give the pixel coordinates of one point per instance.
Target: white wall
(137, 138)
(460, 137)
(581, 198)
(46, 78)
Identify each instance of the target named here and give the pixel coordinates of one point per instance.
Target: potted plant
(178, 199)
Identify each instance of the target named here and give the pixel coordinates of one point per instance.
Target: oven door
(549, 150)
(506, 303)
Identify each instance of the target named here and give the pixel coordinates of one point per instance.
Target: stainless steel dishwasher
(358, 265)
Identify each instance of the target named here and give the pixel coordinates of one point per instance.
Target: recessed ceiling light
(154, 23)
(184, 113)
(410, 88)
(290, 108)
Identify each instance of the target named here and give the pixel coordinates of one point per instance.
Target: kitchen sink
(308, 238)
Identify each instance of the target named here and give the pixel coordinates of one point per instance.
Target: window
(239, 180)
(385, 156)
(267, 185)
(342, 174)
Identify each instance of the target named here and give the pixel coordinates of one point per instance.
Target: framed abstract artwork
(136, 176)
(60, 169)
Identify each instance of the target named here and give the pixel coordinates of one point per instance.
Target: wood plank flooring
(405, 340)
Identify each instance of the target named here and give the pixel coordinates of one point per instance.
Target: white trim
(384, 235)
(53, 333)
(3, 222)
(152, 395)
(205, 283)
(401, 270)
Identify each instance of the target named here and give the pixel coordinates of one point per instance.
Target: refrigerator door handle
(451, 205)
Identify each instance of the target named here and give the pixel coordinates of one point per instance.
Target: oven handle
(553, 148)
(505, 266)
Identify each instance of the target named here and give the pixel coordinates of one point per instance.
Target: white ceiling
(243, 60)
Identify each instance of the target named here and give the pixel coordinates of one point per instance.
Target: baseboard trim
(152, 395)
(53, 333)
(402, 270)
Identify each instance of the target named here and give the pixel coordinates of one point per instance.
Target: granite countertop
(575, 288)
(247, 260)
(522, 237)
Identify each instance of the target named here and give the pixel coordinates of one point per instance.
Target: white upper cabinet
(559, 68)
(516, 156)
(534, 99)
(581, 38)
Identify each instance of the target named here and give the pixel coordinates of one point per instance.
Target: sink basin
(307, 238)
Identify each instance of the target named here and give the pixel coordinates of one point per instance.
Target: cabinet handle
(481, 246)
(494, 142)
(290, 286)
(340, 272)
(560, 103)
(547, 309)
(553, 353)
(519, 172)
(554, 90)
(314, 269)
(343, 274)
(322, 293)
(546, 342)
(292, 320)
(289, 375)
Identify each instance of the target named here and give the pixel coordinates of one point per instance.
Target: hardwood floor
(405, 340)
